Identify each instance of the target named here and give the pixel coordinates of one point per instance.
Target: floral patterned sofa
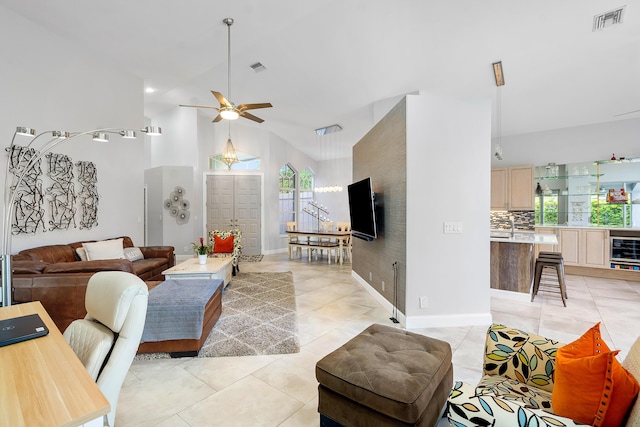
(516, 389)
(218, 235)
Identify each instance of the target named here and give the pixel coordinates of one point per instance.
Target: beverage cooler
(625, 253)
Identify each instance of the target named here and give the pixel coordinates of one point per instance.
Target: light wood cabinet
(521, 188)
(499, 178)
(512, 188)
(545, 248)
(584, 247)
(569, 241)
(596, 248)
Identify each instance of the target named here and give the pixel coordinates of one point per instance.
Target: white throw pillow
(133, 254)
(82, 253)
(105, 249)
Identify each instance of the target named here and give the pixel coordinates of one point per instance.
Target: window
(549, 214)
(245, 162)
(305, 222)
(287, 196)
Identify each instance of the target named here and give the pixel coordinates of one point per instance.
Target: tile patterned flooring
(281, 390)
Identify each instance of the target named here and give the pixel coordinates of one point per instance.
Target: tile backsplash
(523, 220)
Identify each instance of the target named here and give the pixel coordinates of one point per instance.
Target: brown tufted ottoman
(385, 376)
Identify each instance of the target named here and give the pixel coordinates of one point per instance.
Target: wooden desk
(340, 236)
(42, 382)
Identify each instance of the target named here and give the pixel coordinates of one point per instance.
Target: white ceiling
(329, 61)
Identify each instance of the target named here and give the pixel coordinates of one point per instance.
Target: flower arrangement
(201, 248)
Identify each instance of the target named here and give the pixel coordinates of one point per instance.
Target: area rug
(258, 317)
(250, 258)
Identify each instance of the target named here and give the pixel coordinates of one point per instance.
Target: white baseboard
(514, 296)
(379, 298)
(275, 251)
(449, 320)
(430, 321)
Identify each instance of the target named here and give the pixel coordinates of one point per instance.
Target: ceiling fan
(227, 109)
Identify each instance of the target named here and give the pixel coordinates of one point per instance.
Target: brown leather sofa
(55, 275)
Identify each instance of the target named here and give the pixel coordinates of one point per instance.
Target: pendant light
(229, 155)
(497, 72)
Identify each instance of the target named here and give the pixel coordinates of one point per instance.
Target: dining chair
(325, 242)
(346, 241)
(294, 241)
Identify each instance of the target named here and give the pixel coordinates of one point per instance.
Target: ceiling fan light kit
(229, 114)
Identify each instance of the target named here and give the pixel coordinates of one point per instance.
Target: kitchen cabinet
(584, 247)
(546, 247)
(512, 188)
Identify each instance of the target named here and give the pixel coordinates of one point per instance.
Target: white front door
(234, 201)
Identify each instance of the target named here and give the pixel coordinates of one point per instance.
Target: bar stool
(555, 261)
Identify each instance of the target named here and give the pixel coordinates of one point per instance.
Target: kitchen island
(512, 258)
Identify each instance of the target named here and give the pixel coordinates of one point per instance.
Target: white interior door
(234, 201)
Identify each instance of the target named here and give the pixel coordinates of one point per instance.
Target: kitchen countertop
(523, 237)
(597, 227)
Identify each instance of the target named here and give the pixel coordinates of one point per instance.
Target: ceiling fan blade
(201, 106)
(245, 107)
(216, 119)
(221, 99)
(250, 117)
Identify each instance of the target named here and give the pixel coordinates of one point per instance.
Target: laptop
(21, 328)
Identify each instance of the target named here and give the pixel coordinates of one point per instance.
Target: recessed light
(149, 90)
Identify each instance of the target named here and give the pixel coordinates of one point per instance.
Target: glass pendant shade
(25, 131)
(100, 137)
(229, 155)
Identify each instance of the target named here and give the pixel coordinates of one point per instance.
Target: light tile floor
(281, 390)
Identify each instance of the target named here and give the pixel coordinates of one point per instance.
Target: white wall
(336, 172)
(191, 138)
(572, 145)
(448, 179)
(47, 85)
(163, 228)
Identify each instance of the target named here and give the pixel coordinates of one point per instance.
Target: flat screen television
(362, 210)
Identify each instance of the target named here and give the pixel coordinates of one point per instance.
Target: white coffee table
(215, 268)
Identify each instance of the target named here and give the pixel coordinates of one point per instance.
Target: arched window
(287, 196)
(305, 222)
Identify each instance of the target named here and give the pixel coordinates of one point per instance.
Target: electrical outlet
(383, 286)
(423, 302)
(186, 248)
(370, 276)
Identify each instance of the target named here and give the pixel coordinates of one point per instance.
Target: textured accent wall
(381, 155)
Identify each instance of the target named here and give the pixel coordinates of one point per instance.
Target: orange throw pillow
(590, 385)
(222, 246)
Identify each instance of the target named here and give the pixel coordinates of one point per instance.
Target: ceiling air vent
(257, 67)
(607, 19)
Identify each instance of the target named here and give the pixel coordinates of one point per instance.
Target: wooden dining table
(42, 381)
(314, 240)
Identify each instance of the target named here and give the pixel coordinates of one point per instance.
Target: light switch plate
(452, 227)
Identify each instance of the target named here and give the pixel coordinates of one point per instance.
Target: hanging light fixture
(229, 155)
(497, 72)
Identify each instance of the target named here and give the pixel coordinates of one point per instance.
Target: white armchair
(107, 339)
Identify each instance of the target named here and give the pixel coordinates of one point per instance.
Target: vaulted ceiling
(330, 61)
